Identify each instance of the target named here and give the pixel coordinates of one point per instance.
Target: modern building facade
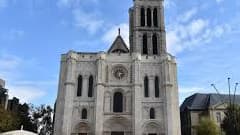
(5, 102)
(13, 104)
(2, 83)
(3, 95)
(199, 106)
(122, 91)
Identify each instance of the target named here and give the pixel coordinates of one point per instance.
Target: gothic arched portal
(117, 125)
(152, 128)
(82, 128)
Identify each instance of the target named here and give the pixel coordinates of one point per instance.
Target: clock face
(119, 72)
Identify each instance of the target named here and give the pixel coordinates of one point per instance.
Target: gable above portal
(118, 46)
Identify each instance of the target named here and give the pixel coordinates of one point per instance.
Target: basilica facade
(124, 91)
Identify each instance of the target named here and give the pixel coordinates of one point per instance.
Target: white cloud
(197, 26)
(190, 90)
(112, 33)
(192, 32)
(88, 21)
(8, 62)
(68, 3)
(169, 3)
(187, 15)
(219, 1)
(25, 93)
(3, 3)
(13, 34)
(39, 83)
(73, 3)
(11, 71)
(63, 2)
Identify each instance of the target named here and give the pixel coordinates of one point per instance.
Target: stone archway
(118, 125)
(82, 128)
(152, 128)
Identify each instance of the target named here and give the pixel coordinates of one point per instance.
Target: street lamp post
(231, 102)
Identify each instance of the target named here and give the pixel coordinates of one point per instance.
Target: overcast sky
(204, 35)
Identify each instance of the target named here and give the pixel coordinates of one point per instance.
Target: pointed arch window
(149, 17)
(152, 113)
(90, 86)
(155, 17)
(146, 93)
(79, 86)
(118, 102)
(84, 113)
(145, 45)
(156, 86)
(155, 44)
(142, 17)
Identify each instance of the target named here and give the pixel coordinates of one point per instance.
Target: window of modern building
(84, 114)
(146, 94)
(142, 17)
(155, 17)
(154, 43)
(149, 17)
(90, 86)
(145, 45)
(156, 86)
(79, 86)
(118, 102)
(152, 113)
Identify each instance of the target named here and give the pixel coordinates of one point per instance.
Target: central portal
(117, 133)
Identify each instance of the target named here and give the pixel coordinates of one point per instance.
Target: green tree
(43, 118)
(207, 127)
(25, 118)
(231, 122)
(3, 92)
(8, 121)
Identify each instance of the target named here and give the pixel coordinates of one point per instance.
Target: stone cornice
(69, 83)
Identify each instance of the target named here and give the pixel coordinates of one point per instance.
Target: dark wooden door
(117, 133)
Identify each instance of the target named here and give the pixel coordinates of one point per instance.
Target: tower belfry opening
(147, 20)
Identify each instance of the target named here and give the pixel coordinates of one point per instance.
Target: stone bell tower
(148, 39)
(147, 28)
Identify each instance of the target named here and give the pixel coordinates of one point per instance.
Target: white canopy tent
(18, 132)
